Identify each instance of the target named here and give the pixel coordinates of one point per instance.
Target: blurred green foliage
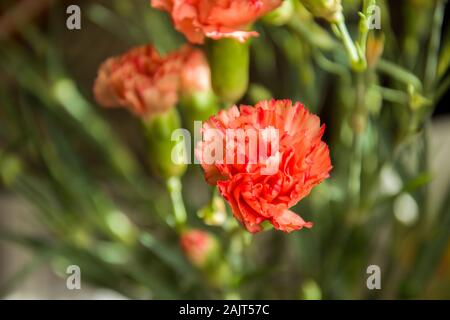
(85, 169)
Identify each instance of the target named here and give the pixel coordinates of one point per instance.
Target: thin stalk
(356, 159)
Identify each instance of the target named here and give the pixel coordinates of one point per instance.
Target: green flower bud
(331, 10)
(167, 157)
(120, 226)
(198, 106)
(229, 63)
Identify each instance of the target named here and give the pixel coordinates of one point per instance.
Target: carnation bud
(374, 100)
(229, 62)
(331, 10)
(203, 250)
(159, 129)
(200, 247)
(374, 49)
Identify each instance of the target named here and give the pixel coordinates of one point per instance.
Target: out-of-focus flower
(299, 160)
(139, 80)
(215, 19)
(195, 72)
(331, 10)
(200, 247)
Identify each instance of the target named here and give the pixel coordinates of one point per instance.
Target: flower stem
(358, 130)
(174, 188)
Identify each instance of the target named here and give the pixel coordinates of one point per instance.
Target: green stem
(174, 188)
(393, 95)
(399, 74)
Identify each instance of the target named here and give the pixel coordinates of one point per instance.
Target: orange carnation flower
(298, 158)
(146, 83)
(195, 72)
(215, 19)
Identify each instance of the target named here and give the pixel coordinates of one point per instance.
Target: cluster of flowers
(149, 85)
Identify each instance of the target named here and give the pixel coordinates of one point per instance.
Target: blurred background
(76, 188)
